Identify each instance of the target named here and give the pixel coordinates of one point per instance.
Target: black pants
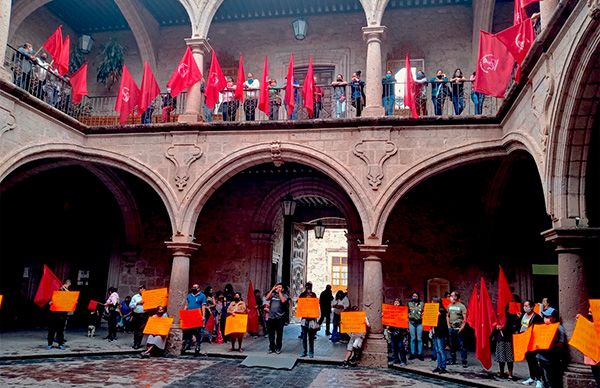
(534, 366)
(326, 316)
(112, 324)
(56, 328)
(275, 327)
(317, 110)
(308, 335)
(250, 109)
(358, 104)
(138, 321)
(198, 333)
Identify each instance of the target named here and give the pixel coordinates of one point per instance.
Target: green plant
(76, 60)
(112, 56)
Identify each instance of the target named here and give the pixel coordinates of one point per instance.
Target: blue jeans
(340, 108)
(208, 113)
(440, 353)
(398, 349)
(478, 99)
(416, 338)
(335, 334)
(388, 105)
(457, 338)
(438, 104)
(458, 100)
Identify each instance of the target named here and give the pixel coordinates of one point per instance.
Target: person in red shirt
(317, 100)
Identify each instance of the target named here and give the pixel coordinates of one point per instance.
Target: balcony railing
(42, 81)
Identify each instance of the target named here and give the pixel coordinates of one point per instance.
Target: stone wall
(320, 251)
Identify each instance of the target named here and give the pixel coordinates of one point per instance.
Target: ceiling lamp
(288, 205)
(319, 230)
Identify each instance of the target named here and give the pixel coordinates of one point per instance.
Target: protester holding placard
(355, 344)
(155, 344)
(237, 306)
(503, 337)
(415, 326)
(110, 306)
(397, 336)
(456, 320)
(57, 321)
(340, 304)
(194, 300)
(439, 335)
(277, 304)
(139, 317)
(310, 326)
(528, 319)
(552, 359)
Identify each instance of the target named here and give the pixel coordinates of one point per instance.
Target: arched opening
(95, 225)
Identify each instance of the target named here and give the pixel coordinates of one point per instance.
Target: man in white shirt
(139, 317)
(251, 87)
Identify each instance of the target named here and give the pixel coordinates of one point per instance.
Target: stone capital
(372, 252)
(182, 248)
(571, 239)
(374, 33)
(199, 45)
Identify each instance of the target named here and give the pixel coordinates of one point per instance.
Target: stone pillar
(375, 350)
(373, 35)
(5, 6)
(178, 289)
(547, 8)
(355, 269)
(193, 102)
(574, 247)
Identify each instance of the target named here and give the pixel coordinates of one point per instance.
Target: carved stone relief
(8, 120)
(541, 97)
(374, 152)
(276, 154)
(182, 156)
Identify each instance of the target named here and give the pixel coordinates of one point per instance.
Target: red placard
(93, 305)
(191, 319)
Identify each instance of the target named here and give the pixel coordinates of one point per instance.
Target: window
(339, 273)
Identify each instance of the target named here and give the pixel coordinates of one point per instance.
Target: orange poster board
(394, 316)
(353, 322)
(586, 339)
(158, 326)
(542, 336)
(308, 308)
(64, 301)
(93, 305)
(154, 298)
(1, 297)
(536, 308)
(521, 344)
(595, 307)
(236, 324)
(514, 308)
(191, 319)
(430, 314)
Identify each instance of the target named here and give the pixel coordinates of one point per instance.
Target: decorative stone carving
(541, 97)
(8, 119)
(182, 156)
(374, 153)
(594, 8)
(276, 154)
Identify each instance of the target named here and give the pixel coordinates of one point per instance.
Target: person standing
(274, 100)
(111, 305)
(261, 310)
(211, 309)
(168, 105)
(24, 58)
(325, 299)
(458, 98)
(277, 303)
(477, 97)
(57, 322)
(440, 334)
(456, 320)
(340, 304)
(357, 87)
(415, 326)
(251, 87)
(237, 306)
(503, 336)
(389, 94)
(318, 96)
(230, 104)
(397, 340)
(139, 317)
(194, 300)
(421, 93)
(309, 326)
(528, 319)
(551, 360)
(439, 91)
(339, 96)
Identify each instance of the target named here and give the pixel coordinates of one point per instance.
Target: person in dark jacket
(530, 318)
(503, 337)
(440, 336)
(397, 336)
(325, 299)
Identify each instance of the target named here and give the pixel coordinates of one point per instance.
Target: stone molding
(198, 45)
(571, 239)
(594, 8)
(182, 249)
(374, 33)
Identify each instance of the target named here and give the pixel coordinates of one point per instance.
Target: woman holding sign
(237, 306)
(155, 345)
(310, 326)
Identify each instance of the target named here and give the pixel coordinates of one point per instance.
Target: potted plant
(112, 55)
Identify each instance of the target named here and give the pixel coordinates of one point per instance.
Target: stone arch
(374, 10)
(571, 126)
(439, 163)
(276, 152)
(101, 157)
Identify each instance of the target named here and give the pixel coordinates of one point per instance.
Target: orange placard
(536, 308)
(353, 322)
(236, 324)
(394, 316)
(154, 298)
(93, 305)
(595, 307)
(158, 326)
(308, 308)
(514, 308)
(521, 344)
(1, 297)
(64, 301)
(430, 314)
(586, 339)
(542, 336)
(191, 319)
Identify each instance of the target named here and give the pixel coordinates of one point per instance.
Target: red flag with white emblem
(215, 82)
(128, 96)
(185, 74)
(494, 66)
(518, 39)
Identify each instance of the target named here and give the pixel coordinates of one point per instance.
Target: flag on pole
(494, 66)
(263, 97)
(54, 43)
(473, 308)
(409, 90)
(49, 283)
(215, 82)
(308, 89)
(239, 82)
(486, 322)
(150, 89)
(79, 84)
(62, 62)
(518, 39)
(289, 87)
(504, 297)
(127, 97)
(252, 326)
(185, 74)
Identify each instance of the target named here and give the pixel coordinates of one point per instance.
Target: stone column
(547, 8)
(355, 269)
(373, 35)
(193, 102)
(375, 350)
(575, 248)
(5, 6)
(178, 288)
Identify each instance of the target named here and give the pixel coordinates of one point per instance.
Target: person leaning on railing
(168, 105)
(421, 93)
(274, 100)
(230, 104)
(357, 92)
(388, 96)
(477, 97)
(339, 96)
(439, 91)
(458, 99)
(318, 96)
(251, 87)
(23, 60)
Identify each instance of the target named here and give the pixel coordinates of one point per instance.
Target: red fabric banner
(215, 82)
(239, 82)
(252, 310)
(62, 62)
(494, 66)
(486, 321)
(473, 308)
(409, 90)
(263, 97)
(518, 39)
(54, 43)
(79, 84)
(185, 74)
(127, 97)
(308, 89)
(504, 297)
(49, 283)
(150, 89)
(289, 87)
(519, 13)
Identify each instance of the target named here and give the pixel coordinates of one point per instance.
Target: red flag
(210, 323)
(308, 89)
(150, 89)
(49, 283)
(289, 87)
(409, 90)
(519, 13)
(504, 297)
(128, 96)
(62, 62)
(79, 84)
(239, 83)
(252, 310)
(518, 39)
(263, 97)
(215, 82)
(185, 74)
(486, 322)
(473, 308)
(494, 66)
(54, 43)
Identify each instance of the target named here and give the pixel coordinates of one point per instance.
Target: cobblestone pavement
(119, 371)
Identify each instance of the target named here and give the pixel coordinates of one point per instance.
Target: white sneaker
(529, 381)
(538, 384)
